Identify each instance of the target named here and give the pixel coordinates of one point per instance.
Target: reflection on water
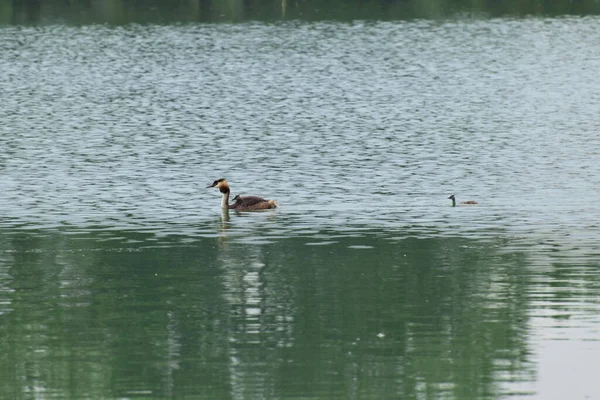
(361, 316)
(121, 278)
(118, 12)
(275, 320)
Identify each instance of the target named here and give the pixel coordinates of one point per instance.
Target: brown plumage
(462, 202)
(241, 203)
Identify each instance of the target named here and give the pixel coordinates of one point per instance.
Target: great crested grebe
(241, 203)
(462, 202)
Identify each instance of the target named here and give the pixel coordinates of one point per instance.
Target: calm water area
(121, 277)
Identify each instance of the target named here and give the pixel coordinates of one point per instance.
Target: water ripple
(347, 126)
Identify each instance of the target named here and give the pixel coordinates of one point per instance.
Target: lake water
(120, 276)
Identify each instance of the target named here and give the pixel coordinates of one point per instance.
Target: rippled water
(364, 283)
(125, 126)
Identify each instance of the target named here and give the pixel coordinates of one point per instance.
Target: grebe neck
(453, 202)
(225, 198)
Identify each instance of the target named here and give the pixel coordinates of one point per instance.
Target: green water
(113, 315)
(370, 315)
(120, 12)
(121, 278)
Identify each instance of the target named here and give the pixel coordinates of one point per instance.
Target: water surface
(121, 278)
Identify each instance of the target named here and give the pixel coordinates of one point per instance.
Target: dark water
(122, 12)
(121, 278)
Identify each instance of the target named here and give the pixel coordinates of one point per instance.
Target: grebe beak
(209, 186)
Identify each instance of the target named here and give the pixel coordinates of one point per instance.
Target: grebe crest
(241, 203)
(451, 197)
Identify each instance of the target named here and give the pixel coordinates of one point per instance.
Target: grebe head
(219, 183)
(451, 197)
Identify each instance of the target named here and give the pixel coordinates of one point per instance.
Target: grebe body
(241, 203)
(451, 197)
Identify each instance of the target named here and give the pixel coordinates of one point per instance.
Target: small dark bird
(462, 202)
(241, 203)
